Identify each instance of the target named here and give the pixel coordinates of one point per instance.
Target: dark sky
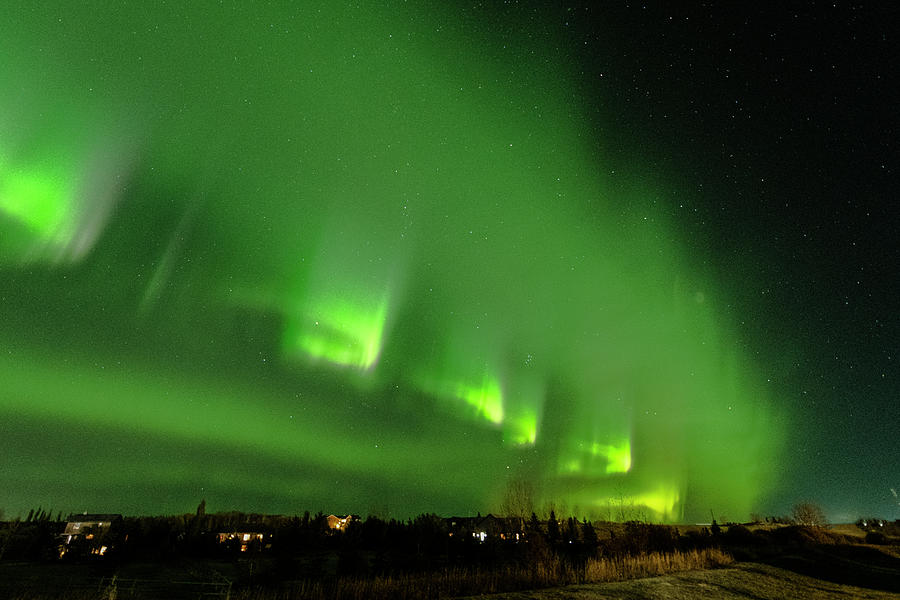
(778, 132)
(390, 260)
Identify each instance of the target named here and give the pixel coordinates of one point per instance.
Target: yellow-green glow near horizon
(353, 247)
(661, 503)
(664, 502)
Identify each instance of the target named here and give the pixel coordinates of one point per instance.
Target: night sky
(394, 258)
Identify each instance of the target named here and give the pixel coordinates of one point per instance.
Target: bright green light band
(340, 332)
(37, 198)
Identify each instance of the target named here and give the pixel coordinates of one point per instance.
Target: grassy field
(58, 582)
(740, 581)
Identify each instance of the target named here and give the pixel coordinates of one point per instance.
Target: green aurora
(340, 258)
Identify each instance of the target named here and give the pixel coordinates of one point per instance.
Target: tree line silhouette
(308, 546)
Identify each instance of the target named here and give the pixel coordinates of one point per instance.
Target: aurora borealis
(366, 260)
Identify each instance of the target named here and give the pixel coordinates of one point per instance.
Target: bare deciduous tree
(518, 499)
(809, 514)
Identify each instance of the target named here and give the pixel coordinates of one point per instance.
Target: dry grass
(460, 582)
(849, 529)
(648, 565)
(741, 581)
(445, 583)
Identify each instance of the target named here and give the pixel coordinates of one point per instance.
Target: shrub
(739, 534)
(876, 537)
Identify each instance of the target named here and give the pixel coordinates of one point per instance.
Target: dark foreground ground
(759, 563)
(740, 581)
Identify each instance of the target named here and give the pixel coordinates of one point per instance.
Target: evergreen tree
(589, 534)
(552, 528)
(571, 530)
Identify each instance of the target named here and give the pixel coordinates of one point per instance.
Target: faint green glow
(570, 467)
(341, 332)
(222, 414)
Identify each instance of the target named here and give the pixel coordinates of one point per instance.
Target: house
(340, 523)
(244, 539)
(87, 528)
(487, 527)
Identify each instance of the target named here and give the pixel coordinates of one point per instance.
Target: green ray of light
(486, 399)
(339, 331)
(39, 200)
(617, 456)
(482, 400)
(520, 429)
(595, 458)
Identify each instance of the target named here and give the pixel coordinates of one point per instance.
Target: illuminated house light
(339, 523)
(90, 527)
(245, 539)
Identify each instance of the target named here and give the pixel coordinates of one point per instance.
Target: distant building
(340, 523)
(244, 539)
(483, 528)
(89, 529)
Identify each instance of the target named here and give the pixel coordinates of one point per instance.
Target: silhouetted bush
(806, 537)
(741, 535)
(876, 537)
